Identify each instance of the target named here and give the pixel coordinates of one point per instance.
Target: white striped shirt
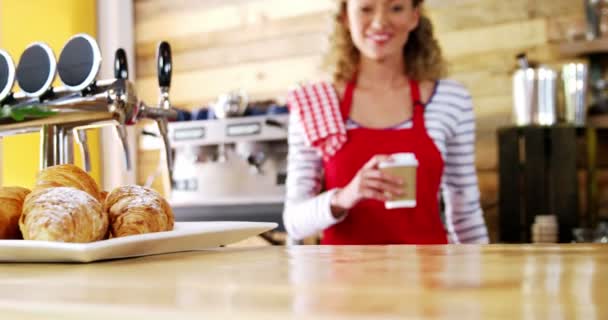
(450, 122)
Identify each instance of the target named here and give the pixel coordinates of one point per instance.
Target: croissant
(137, 210)
(11, 204)
(63, 214)
(67, 175)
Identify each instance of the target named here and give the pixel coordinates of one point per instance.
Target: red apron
(369, 222)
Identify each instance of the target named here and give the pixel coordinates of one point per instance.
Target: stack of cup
(544, 229)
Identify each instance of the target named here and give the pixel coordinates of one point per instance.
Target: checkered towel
(319, 109)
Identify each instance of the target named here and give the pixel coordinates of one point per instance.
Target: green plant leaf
(22, 112)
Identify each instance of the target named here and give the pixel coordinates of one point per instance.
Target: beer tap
(121, 71)
(78, 66)
(164, 69)
(83, 102)
(36, 70)
(117, 101)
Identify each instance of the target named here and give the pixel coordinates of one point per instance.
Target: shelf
(584, 47)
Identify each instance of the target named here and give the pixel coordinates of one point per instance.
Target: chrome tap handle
(121, 71)
(121, 66)
(164, 68)
(121, 130)
(81, 139)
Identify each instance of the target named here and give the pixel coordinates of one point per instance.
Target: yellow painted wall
(54, 22)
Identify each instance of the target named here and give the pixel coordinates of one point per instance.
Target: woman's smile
(379, 38)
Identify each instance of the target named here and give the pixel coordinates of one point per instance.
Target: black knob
(121, 66)
(36, 69)
(7, 74)
(164, 65)
(79, 62)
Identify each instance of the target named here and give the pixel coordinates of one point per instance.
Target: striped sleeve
(307, 211)
(460, 190)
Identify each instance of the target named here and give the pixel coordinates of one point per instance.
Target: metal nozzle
(121, 130)
(163, 129)
(81, 139)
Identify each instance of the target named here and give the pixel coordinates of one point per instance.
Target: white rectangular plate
(185, 236)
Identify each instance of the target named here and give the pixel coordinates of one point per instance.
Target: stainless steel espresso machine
(229, 167)
(64, 113)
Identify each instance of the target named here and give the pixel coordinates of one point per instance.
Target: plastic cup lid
(400, 159)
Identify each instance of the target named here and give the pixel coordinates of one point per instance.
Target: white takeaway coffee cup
(404, 166)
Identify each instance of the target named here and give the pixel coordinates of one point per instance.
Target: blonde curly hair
(422, 54)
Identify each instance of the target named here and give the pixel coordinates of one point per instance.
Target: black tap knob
(36, 69)
(7, 75)
(79, 62)
(164, 64)
(121, 66)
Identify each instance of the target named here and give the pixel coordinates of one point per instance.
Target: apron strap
(418, 106)
(415, 91)
(347, 101)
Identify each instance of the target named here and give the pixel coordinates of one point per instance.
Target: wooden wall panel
(231, 15)
(518, 35)
(298, 45)
(282, 29)
(265, 46)
(202, 86)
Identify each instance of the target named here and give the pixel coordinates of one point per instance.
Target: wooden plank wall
(264, 46)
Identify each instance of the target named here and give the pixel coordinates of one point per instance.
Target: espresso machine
(237, 160)
(63, 114)
(231, 165)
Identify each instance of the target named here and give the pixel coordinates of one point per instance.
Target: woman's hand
(368, 183)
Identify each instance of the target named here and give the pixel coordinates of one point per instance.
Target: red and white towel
(319, 109)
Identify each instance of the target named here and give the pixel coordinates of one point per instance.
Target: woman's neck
(381, 74)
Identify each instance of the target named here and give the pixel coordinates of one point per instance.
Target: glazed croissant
(136, 210)
(11, 204)
(63, 214)
(67, 175)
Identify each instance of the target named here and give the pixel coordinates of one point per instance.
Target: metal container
(535, 96)
(593, 14)
(232, 104)
(575, 80)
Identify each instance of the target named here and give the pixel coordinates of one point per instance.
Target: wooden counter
(320, 282)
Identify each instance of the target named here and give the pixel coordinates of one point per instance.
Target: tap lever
(81, 139)
(121, 130)
(121, 66)
(164, 110)
(164, 65)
